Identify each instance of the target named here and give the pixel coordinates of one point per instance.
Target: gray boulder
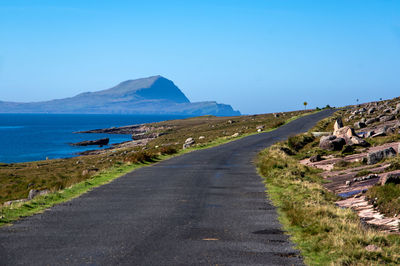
(375, 157)
(371, 121)
(371, 110)
(33, 193)
(360, 124)
(397, 110)
(386, 118)
(393, 178)
(332, 143)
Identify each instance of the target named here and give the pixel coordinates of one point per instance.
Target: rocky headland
(153, 95)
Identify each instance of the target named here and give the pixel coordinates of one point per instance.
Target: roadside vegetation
(68, 178)
(324, 233)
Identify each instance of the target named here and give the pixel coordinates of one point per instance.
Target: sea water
(34, 137)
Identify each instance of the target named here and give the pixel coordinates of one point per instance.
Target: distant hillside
(152, 95)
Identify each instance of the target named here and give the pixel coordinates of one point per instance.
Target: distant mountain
(152, 95)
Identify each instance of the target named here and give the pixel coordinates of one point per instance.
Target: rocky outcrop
(350, 136)
(393, 178)
(331, 143)
(99, 142)
(153, 95)
(377, 156)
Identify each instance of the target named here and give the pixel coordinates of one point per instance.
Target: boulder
(33, 193)
(235, 135)
(397, 109)
(360, 124)
(371, 110)
(375, 157)
(379, 134)
(315, 158)
(369, 134)
(393, 178)
(201, 137)
(188, 142)
(350, 136)
(331, 143)
(386, 118)
(338, 125)
(260, 127)
(371, 121)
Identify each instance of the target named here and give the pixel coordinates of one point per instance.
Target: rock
(363, 178)
(362, 120)
(369, 134)
(188, 142)
(391, 130)
(276, 115)
(235, 135)
(372, 248)
(100, 142)
(33, 193)
(259, 130)
(371, 110)
(386, 118)
(338, 125)
(11, 202)
(331, 143)
(350, 136)
(371, 121)
(397, 109)
(393, 178)
(387, 111)
(315, 158)
(348, 183)
(360, 124)
(230, 122)
(320, 134)
(260, 127)
(375, 157)
(201, 137)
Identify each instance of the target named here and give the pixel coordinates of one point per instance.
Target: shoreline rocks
(99, 142)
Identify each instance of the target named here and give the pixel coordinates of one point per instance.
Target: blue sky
(258, 56)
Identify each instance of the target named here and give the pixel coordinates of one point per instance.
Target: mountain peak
(151, 95)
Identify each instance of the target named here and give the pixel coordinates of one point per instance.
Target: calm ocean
(33, 137)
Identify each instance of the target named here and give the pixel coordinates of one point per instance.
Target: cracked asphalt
(206, 207)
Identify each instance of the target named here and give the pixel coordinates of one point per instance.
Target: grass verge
(16, 211)
(324, 233)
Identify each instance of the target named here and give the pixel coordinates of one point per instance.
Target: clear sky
(259, 56)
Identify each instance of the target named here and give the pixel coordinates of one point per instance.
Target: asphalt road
(203, 208)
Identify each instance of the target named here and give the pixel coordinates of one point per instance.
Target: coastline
(96, 169)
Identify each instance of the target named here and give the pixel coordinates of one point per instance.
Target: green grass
(386, 198)
(41, 203)
(324, 233)
(121, 162)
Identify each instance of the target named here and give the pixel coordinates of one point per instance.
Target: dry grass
(17, 179)
(325, 233)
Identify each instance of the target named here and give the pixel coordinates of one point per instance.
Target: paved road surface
(203, 208)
